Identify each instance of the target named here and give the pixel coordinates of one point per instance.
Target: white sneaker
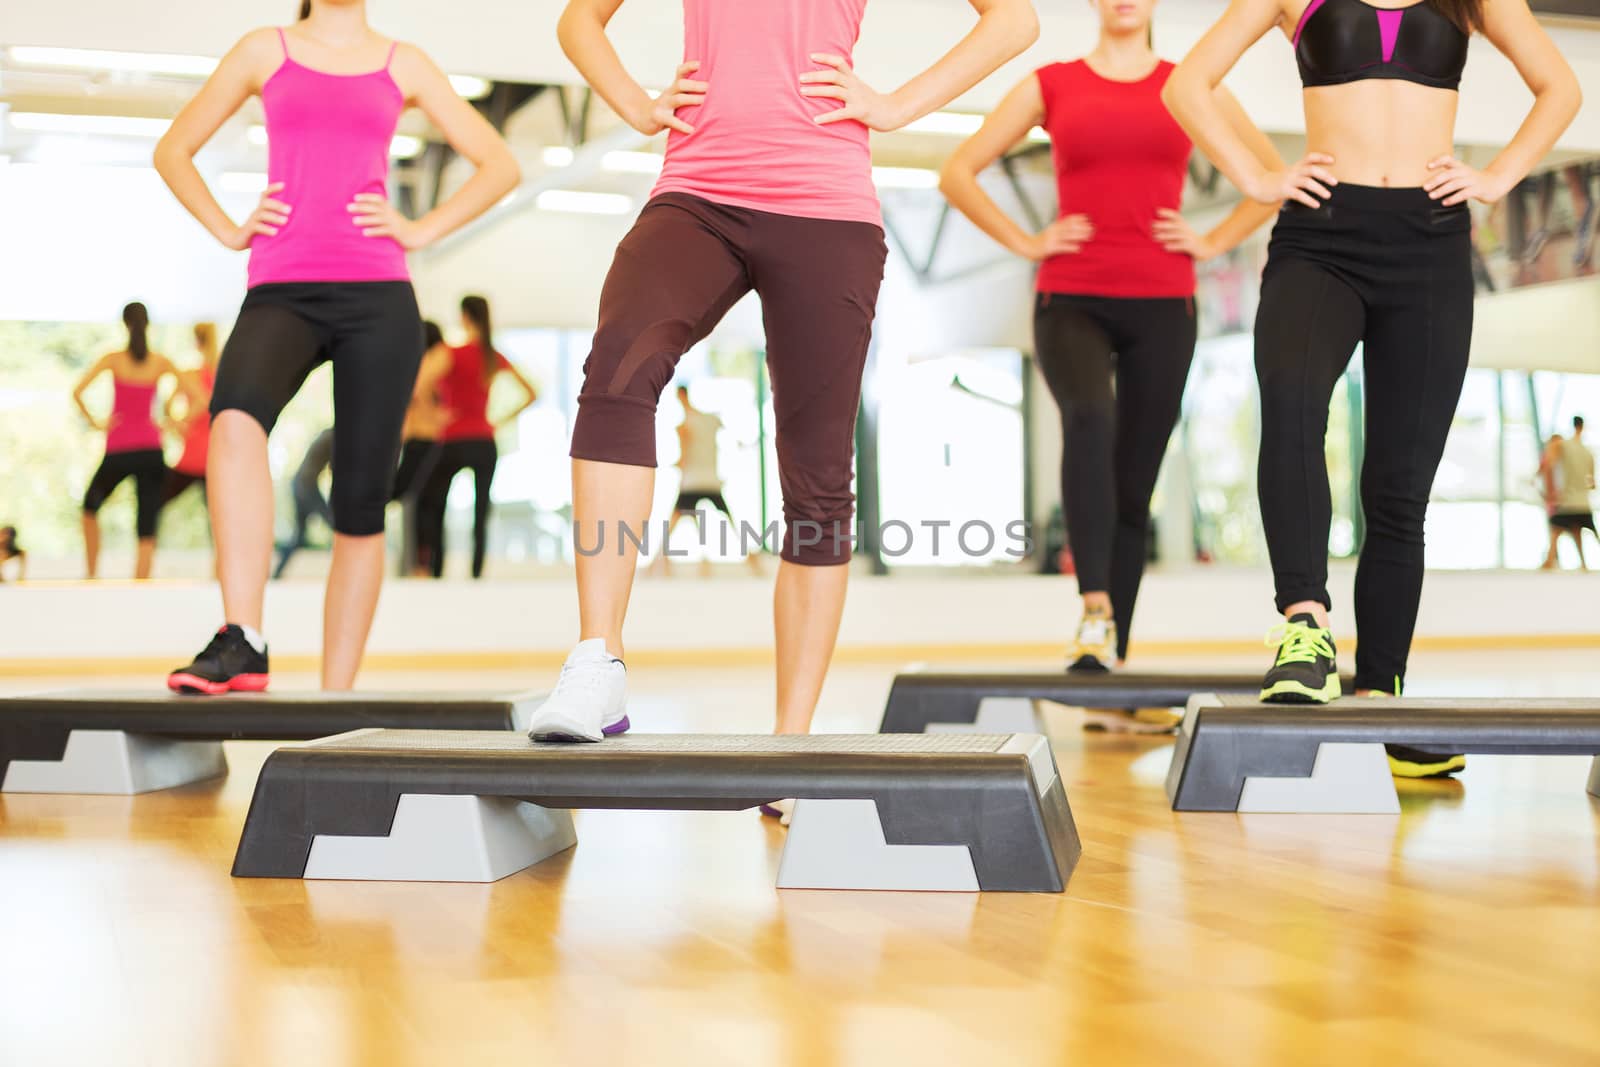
(589, 703)
(1097, 639)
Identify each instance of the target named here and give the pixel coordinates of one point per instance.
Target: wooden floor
(1466, 930)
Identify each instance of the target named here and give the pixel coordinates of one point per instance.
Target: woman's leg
(1415, 358)
(106, 479)
(1307, 328)
(1154, 350)
(485, 455)
(432, 503)
(240, 501)
(148, 480)
(376, 353)
(819, 285)
(673, 278)
(266, 360)
(1074, 353)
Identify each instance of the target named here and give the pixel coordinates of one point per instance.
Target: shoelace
(1299, 643)
(1094, 632)
(582, 679)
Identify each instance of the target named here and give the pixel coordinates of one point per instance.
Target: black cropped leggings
(1116, 367)
(1391, 270)
(478, 456)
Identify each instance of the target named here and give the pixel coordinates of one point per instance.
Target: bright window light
(632, 162)
(614, 162)
(905, 178)
(470, 86)
(1038, 136)
(242, 181)
(91, 59)
(404, 145)
(948, 123)
(571, 200)
(101, 125)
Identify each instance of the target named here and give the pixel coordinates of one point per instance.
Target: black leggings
(478, 456)
(148, 471)
(1391, 270)
(1116, 367)
(372, 334)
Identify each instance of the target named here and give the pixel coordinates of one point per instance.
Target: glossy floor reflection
(1462, 931)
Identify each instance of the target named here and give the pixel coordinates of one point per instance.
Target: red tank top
(197, 442)
(1119, 157)
(464, 391)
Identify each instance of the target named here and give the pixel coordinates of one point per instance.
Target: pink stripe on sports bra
(328, 138)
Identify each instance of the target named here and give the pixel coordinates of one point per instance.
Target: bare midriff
(1380, 132)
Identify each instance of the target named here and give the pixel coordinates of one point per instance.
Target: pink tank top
(327, 140)
(133, 428)
(197, 442)
(755, 143)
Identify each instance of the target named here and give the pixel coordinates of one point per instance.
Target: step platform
(123, 743)
(929, 701)
(1237, 754)
(954, 812)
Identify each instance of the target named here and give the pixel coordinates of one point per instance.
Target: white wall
(1543, 327)
(985, 615)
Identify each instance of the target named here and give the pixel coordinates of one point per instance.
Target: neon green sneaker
(1306, 670)
(1407, 762)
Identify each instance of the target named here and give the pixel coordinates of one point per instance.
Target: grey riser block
(1235, 754)
(931, 813)
(61, 742)
(918, 700)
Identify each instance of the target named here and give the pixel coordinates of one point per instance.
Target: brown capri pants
(684, 264)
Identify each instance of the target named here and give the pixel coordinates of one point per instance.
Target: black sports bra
(1341, 41)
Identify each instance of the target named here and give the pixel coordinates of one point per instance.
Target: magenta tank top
(328, 139)
(133, 427)
(756, 144)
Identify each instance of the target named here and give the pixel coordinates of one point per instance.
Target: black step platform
(939, 812)
(920, 699)
(39, 729)
(1236, 754)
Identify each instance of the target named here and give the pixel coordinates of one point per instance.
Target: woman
(1114, 325)
(419, 451)
(767, 186)
(133, 440)
(194, 425)
(1372, 247)
(328, 281)
(463, 377)
(11, 550)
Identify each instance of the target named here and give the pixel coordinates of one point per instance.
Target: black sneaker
(1407, 762)
(1306, 670)
(229, 664)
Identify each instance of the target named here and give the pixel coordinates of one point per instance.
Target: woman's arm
(530, 394)
(1511, 27)
(236, 79)
(1020, 111)
(1191, 95)
(101, 365)
(1005, 29)
(435, 365)
(1173, 231)
(469, 133)
(582, 33)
